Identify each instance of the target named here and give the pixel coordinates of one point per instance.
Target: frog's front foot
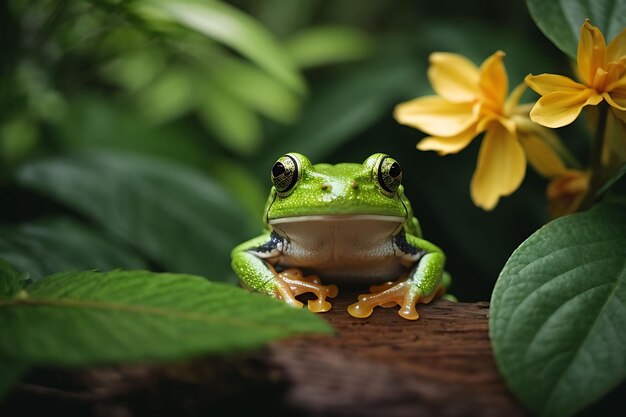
(291, 283)
(403, 293)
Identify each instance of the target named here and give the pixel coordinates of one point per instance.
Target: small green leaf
(327, 45)
(44, 247)
(85, 318)
(233, 123)
(168, 97)
(558, 312)
(177, 216)
(561, 20)
(230, 26)
(9, 280)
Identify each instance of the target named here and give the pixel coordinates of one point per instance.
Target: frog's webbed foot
(403, 293)
(291, 283)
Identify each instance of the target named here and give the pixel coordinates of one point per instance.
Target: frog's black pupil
(395, 170)
(278, 169)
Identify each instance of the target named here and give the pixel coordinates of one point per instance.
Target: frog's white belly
(349, 248)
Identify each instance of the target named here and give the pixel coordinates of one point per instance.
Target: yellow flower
(473, 100)
(602, 71)
(567, 191)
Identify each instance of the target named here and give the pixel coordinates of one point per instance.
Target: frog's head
(302, 190)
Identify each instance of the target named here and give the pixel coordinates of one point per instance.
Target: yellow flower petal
(436, 116)
(541, 156)
(494, 82)
(561, 108)
(591, 52)
(485, 122)
(566, 192)
(500, 170)
(448, 145)
(617, 47)
(453, 77)
(549, 83)
(612, 102)
(618, 86)
(512, 102)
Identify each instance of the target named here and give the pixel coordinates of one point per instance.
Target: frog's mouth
(346, 227)
(337, 218)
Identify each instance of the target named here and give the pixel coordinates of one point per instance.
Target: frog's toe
(388, 296)
(385, 286)
(403, 294)
(299, 284)
(284, 293)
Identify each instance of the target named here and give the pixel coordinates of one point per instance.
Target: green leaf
(328, 44)
(96, 122)
(561, 20)
(45, 247)
(234, 124)
(85, 318)
(345, 107)
(233, 28)
(9, 280)
(168, 97)
(255, 88)
(176, 216)
(558, 312)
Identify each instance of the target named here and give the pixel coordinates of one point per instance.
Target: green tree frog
(347, 222)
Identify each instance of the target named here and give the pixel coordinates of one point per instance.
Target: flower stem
(598, 176)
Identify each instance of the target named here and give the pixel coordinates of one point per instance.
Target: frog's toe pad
(360, 310)
(319, 305)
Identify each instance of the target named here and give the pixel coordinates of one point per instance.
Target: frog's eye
(389, 174)
(285, 173)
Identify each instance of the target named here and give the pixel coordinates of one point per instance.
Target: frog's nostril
(325, 187)
(354, 185)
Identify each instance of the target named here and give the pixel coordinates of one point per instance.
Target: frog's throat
(337, 217)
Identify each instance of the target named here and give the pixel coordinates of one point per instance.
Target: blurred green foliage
(150, 126)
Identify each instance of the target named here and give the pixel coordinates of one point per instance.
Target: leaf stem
(598, 176)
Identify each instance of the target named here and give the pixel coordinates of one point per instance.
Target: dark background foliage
(130, 139)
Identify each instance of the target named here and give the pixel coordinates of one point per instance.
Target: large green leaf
(328, 44)
(558, 312)
(9, 280)
(178, 217)
(85, 318)
(95, 122)
(45, 247)
(346, 106)
(230, 26)
(561, 20)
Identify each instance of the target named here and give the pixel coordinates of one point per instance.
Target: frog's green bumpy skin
(348, 222)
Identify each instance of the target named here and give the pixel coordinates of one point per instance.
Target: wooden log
(440, 365)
